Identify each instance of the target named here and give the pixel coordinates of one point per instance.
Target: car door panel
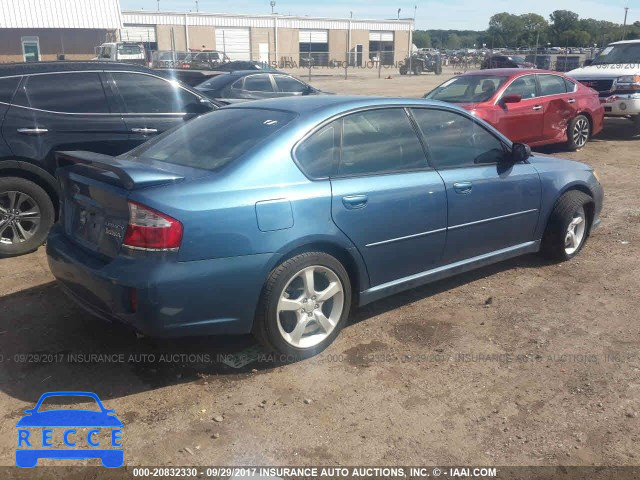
(384, 197)
(521, 121)
(492, 203)
(36, 133)
(150, 105)
(560, 106)
(397, 222)
(498, 207)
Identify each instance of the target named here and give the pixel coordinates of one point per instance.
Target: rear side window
(258, 83)
(148, 94)
(214, 140)
(571, 87)
(379, 141)
(551, 85)
(318, 155)
(78, 92)
(8, 88)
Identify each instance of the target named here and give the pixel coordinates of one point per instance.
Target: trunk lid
(95, 189)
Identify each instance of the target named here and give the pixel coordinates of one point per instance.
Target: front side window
(524, 86)
(214, 140)
(146, 94)
(551, 85)
(468, 89)
(456, 141)
(78, 92)
(379, 141)
(318, 154)
(258, 83)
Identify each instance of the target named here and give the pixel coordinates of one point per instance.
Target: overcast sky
(431, 14)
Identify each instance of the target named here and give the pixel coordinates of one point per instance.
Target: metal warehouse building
(271, 38)
(33, 30)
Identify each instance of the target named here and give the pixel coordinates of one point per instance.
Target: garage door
(314, 36)
(138, 33)
(234, 42)
(381, 36)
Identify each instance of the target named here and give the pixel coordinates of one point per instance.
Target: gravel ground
(521, 363)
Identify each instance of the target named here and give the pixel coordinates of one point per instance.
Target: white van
(121, 52)
(615, 74)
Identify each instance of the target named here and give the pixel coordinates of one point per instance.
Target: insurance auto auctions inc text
(376, 472)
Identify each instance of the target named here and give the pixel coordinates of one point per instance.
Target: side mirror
(520, 152)
(588, 62)
(308, 90)
(512, 99)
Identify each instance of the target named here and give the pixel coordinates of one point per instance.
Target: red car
(537, 107)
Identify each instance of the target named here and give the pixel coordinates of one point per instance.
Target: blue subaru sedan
(277, 216)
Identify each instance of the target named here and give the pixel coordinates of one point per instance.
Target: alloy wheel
(575, 232)
(19, 217)
(581, 132)
(310, 306)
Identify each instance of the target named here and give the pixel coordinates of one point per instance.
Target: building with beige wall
(277, 39)
(38, 30)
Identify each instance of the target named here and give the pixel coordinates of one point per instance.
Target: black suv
(102, 107)
(252, 85)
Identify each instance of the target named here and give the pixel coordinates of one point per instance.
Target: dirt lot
(522, 363)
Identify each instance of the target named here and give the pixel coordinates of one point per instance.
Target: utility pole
(624, 26)
(197, 7)
(158, 5)
(273, 4)
(399, 10)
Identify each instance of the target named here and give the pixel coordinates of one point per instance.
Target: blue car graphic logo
(36, 435)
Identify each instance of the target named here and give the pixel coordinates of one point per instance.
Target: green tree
(562, 21)
(422, 39)
(507, 26)
(535, 28)
(453, 41)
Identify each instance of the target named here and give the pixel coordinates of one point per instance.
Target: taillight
(149, 229)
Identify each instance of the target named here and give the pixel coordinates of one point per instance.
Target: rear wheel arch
(35, 174)
(355, 267)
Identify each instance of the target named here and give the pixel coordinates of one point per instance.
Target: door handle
(464, 188)
(537, 107)
(144, 131)
(33, 131)
(571, 100)
(353, 202)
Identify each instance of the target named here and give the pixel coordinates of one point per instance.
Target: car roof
(10, 69)
(506, 72)
(623, 42)
(317, 104)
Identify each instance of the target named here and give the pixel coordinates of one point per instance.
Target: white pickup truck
(121, 52)
(615, 74)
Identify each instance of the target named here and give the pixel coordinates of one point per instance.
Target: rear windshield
(214, 140)
(217, 82)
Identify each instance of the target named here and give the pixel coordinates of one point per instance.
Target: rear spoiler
(116, 171)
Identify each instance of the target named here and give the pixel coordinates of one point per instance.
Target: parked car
(238, 65)
(276, 216)
(247, 84)
(505, 61)
(615, 74)
(104, 107)
(205, 60)
(534, 107)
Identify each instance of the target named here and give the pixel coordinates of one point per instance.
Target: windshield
(217, 82)
(214, 140)
(468, 89)
(129, 50)
(625, 53)
(518, 59)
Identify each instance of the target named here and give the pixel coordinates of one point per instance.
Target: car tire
(26, 216)
(417, 69)
(568, 227)
(291, 319)
(578, 133)
(438, 69)
(403, 70)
